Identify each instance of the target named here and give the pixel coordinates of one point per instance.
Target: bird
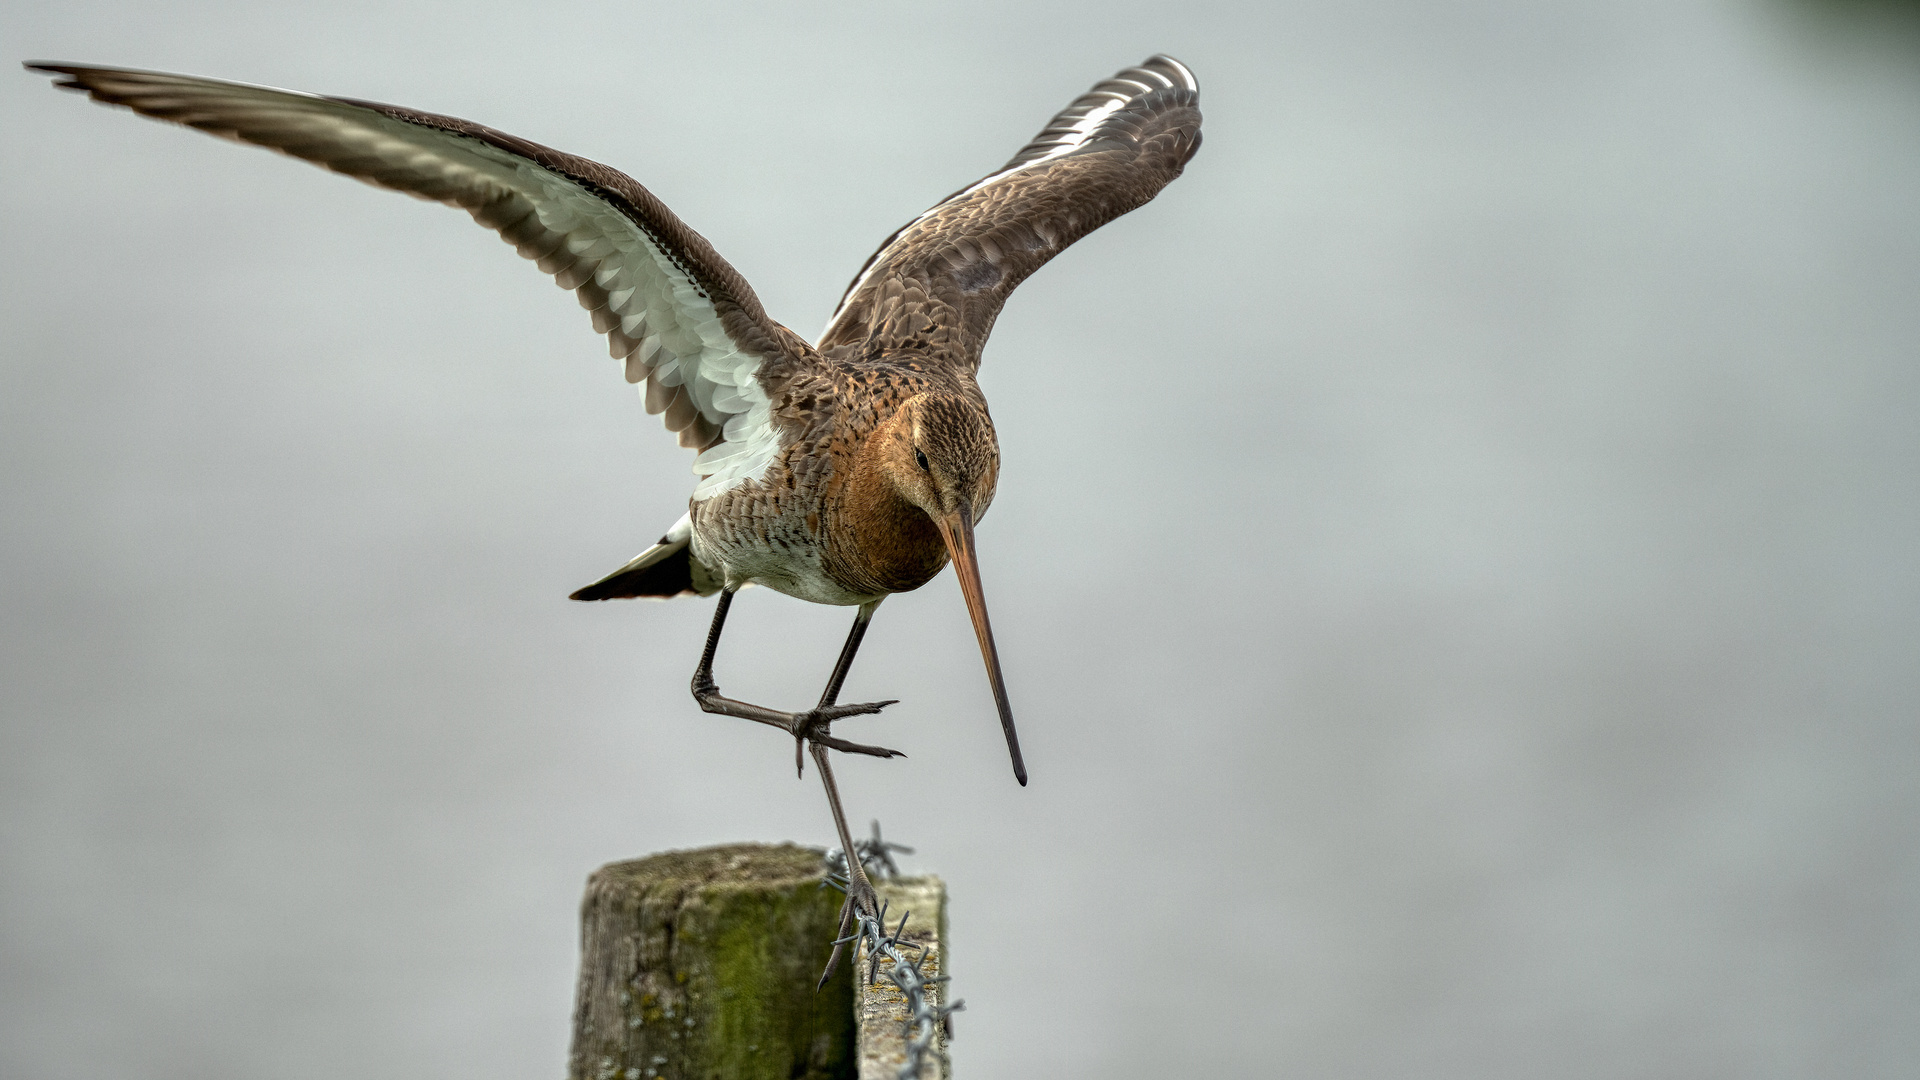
(838, 472)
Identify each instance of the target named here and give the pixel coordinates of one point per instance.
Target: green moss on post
(700, 965)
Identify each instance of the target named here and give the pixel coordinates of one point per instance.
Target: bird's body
(839, 472)
(823, 525)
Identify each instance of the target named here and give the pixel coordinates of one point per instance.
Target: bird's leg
(810, 725)
(860, 894)
(831, 694)
(840, 668)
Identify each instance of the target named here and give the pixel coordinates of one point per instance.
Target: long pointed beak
(957, 529)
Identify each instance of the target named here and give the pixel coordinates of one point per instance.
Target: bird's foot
(811, 726)
(861, 900)
(814, 726)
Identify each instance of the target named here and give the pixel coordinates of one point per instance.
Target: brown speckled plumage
(826, 504)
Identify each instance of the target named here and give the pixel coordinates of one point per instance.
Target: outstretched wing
(673, 310)
(936, 286)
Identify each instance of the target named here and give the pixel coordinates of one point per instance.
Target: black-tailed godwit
(840, 472)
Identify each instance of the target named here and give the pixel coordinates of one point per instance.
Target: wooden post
(701, 965)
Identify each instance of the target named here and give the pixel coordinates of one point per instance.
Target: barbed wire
(876, 856)
(924, 1019)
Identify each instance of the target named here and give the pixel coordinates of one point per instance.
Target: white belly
(793, 568)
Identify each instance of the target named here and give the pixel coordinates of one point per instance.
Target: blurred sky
(1457, 557)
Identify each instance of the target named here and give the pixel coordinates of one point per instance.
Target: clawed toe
(812, 725)
(841, 712)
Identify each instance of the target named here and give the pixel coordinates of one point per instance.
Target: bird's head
(941, 456)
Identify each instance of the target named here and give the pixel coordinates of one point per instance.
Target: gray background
(1457, 560)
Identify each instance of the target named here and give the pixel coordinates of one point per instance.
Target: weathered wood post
(701, 965)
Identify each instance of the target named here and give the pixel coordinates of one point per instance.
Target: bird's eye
(921, 457)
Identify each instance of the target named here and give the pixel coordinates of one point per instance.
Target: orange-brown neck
(879, 542)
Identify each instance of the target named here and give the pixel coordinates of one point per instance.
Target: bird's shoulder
(843, 394)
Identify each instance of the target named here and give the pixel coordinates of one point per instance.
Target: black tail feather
(671, 576)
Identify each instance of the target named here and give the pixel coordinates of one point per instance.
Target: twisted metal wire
(876, 856)
(924, 1019)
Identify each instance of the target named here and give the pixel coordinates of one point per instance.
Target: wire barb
(876, 857)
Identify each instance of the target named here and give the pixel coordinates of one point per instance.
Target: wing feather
(936, 286)
(681, 320)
